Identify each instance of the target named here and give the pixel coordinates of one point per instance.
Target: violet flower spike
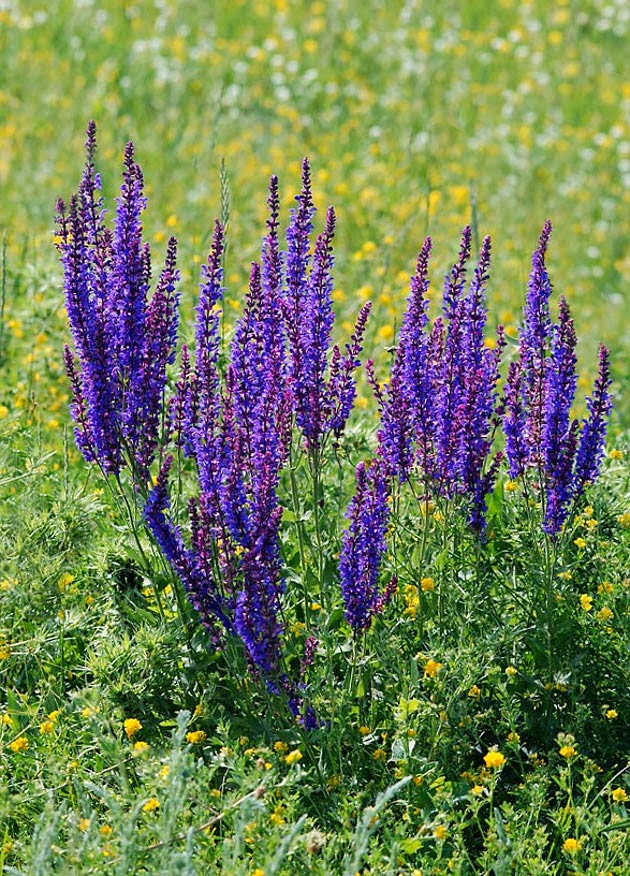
(363, 545)
(591, 446)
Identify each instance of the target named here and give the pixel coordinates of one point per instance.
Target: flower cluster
(231, 415)
(540, 434)
(123, 340)
(233, 422)
(439, 410)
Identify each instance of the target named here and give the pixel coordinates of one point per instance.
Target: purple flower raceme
(123, 342)
(322, 383)
(439, 410)
(540, 391)
(363, 545)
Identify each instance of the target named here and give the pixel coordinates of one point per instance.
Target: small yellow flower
(53, 716)
(87, 712)
(65, 579)
(106, 830)
(513, 737)
(19, 744)
(258, 872)
(579, 542)
(586, 601)
(565, 576)
(280, 746)
(427, 585)
(605, 587)
(140, 746)
(568, 751)
(293, 757)
(5, 720)
(164, 771)
(611, 714)
(494, 759)
(379, 754)
(151, 805)
(431, 668)
(477, 790)
(572, 846)
(46, 727)
(363, 730)
(171, 221)
(624, 520)
(616, 454)
(474, 692)
(195, 737)
(511, 671)
(511, 486)
(604, 614)
(439, 832)
(83, 824)
(132, 726)
(619, 795)
(386, 333)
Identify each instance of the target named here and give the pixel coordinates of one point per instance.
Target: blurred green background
(416, 116)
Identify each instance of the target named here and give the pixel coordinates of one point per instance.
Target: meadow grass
(448, 743)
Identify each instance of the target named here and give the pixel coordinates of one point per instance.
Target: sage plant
(541, 436)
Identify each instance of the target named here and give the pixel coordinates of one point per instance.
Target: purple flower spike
(599, 405)
(534, 339)
(363, 545)
(123, 341)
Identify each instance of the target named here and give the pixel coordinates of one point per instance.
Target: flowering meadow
(314, 514)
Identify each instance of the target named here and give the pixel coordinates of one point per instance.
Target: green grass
(416, 118)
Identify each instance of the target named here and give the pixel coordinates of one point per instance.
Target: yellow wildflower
(431, 668)
(572, 846)
(280, 746)
(293, 757)
(83, 824)
(474, 692)
(151, 805)
(363, 730)
(619, 795)
(427, 585)
(611, 714)
(439, 832)
(511, 671)
(604, 614)
(616, 454)
(568, 751)
(106, 830)
(46, 727)
(140, 746)
(195, 737)
(494, 759)
(19, 744)
(580, 543)
(586, 601)
(132, 726)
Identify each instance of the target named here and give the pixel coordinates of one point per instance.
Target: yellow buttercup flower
(568, 751)
(195, 737)
(132, 726)
(293, 757)
(572, 846)
(494, 759)
(431, 668)
(619, 795)
(19, 744)
(151, 805)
